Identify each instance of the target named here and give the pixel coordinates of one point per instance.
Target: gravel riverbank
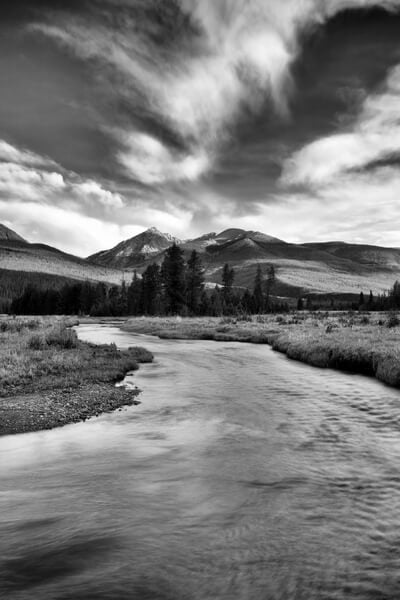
(48, 378)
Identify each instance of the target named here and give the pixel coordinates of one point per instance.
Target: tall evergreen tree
(87, 297)
(228, 277)
(258, 292)
(114, 300)
(101, 306)
(216, 302)
(205, 306)
(394, 296)
(173, 276)
(123, 299)
(371, 299)
(194, 283)
(135, 295)
(152, 290)
(248, 302)
(270, 285)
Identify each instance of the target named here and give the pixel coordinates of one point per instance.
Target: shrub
(228, 321)
(71, 322)
(393, 321)
(245, 318)
(37, 342)
(33, 324)
(140, 354)
(260, 319)
(18, 325)
(62, 337)
(223, 329)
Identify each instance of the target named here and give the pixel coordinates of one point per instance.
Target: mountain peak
(136, 250)
(153, 231)
(232, 235)
(9, 235)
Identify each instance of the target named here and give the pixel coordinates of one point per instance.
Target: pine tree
(152, 290)
(258, 293)
(361, 301)
(216, 302)
(101, 305)
(87, 297)
(228, 278)
(247, 302)
(123, 299)
(371, 299)
(134, 295)
(205, 306)
(394, 296)
(270, 285)
(114, 300)
(194, 282)
(173, 277)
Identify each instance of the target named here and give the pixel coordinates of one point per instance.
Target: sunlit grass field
(366, 343)
(45, 354)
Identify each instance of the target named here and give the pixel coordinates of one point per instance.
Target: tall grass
(52, 358)
(350, 341)
(18, 325)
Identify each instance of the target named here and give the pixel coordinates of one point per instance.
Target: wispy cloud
(11, 155)
(151, 162)
(240, 54)
(169, 86)
(373, 138)
(28, 179)
(43, 201)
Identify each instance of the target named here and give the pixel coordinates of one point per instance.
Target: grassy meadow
(367, 343)
(48, 377)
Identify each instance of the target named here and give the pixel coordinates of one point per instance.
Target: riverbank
(365, 343)
(49, 378)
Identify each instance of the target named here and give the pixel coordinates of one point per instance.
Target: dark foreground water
(241, 476)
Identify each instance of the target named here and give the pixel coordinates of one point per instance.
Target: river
(241, 476)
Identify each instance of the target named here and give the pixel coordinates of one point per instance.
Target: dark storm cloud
(193, 111)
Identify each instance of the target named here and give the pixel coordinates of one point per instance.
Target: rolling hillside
(16, 255)
(315, 267)
(331, 267)
(7, 234)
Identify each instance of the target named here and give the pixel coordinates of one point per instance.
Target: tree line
(13, 283)
(387, 301)
(176, 287)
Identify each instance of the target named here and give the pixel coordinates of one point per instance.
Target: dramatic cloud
(25, 175)
(197, 114)
(374, 138)
(151, 162)
(240, 55)
(353, 177)
(45, 202)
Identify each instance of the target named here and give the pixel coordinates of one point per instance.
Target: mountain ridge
(317, 267)
(314, 267)
(136, 249)
(8, 234)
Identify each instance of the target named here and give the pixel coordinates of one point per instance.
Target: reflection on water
(242, 475)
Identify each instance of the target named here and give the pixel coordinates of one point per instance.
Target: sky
(192, 116)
